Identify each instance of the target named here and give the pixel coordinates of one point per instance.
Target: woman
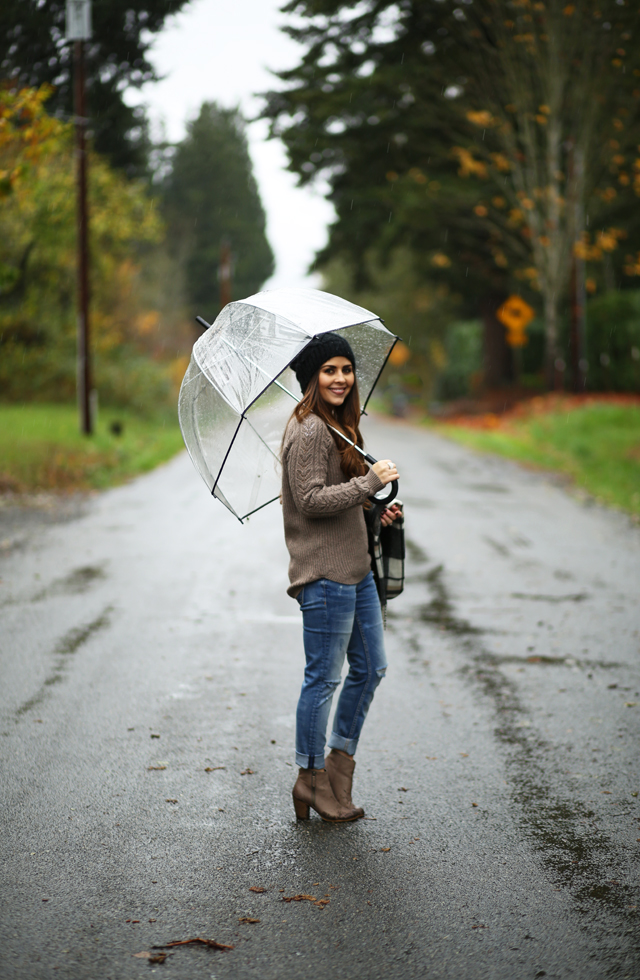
(324, 486)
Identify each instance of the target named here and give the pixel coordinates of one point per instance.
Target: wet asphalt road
(150, 663)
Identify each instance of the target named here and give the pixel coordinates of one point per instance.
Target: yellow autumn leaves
(37, 225)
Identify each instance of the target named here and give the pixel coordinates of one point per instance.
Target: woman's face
(335, 380)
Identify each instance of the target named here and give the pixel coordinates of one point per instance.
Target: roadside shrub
(463, 351)
(613, 342)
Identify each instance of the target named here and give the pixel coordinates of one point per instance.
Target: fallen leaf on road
(170, 801)
(385, 849)
(257, 889)
(322, 902)
(299, 898)
(152, 957)
(211, 943)
(474, 804)
(246, 918)
(606, 792)
(630, 704)
(431, 758)
(214, 768)
(402, 789)
(152, 920)
(247, 772)
(465, 755)
(155, 736)
(155, 768)
(479, 926)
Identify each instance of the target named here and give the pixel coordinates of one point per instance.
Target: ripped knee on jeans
(328, 689)
(331, 685)
(381, 672)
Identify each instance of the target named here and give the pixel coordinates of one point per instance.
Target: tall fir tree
(211, 197)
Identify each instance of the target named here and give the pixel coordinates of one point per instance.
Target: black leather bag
(386, 547)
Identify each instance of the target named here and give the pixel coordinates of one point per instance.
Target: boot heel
(302, 809)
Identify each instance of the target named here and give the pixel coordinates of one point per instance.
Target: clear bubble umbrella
(239, 391)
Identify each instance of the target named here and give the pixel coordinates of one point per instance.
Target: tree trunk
(498, 366)
(553, 362)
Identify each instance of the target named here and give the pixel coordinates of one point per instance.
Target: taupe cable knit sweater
(323, 520)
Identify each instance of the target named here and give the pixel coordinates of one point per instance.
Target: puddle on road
(538, 597)
(66, 646)
(496, 659)
(439, 611)
(497, 546)
(488, 487)
(76, 582)
(566, 833)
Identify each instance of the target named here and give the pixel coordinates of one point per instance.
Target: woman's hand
(389, 515)
(386, 471)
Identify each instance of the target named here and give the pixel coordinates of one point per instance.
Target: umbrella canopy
(238, 391)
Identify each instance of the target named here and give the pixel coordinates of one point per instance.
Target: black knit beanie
(322, 348)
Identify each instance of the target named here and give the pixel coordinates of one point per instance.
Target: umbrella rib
(264, 443)
(395, 341)
(226, 456)
(367, 456)
(252, 512)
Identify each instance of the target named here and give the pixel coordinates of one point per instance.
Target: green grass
(42, 449)
(598, 446)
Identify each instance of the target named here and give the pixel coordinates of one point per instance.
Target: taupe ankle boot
(340, 769)
(313, 789)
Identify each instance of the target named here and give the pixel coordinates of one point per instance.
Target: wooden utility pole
(577, 332)
(224, 273)
(78, 31)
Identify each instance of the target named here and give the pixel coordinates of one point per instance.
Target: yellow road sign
(516, 314)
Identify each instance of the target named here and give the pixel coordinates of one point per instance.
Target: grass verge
(596, 444)
(42, 449)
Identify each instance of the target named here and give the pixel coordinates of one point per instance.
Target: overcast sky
(222, 50)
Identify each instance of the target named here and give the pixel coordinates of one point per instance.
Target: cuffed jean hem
(348, 745)
(317, 761)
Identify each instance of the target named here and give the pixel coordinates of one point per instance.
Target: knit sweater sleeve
(307, 462)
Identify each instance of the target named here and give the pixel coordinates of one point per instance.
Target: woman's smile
(335, 380)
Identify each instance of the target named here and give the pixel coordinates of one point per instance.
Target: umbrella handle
(393, 493)
(391, 496)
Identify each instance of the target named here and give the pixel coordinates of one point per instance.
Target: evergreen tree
(211, 196)
(33, 51)
(477, 134)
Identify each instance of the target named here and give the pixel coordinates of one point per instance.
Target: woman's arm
(307, 463)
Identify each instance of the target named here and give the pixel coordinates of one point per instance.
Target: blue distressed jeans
(338, 621)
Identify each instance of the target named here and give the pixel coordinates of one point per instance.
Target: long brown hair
(344, 417)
